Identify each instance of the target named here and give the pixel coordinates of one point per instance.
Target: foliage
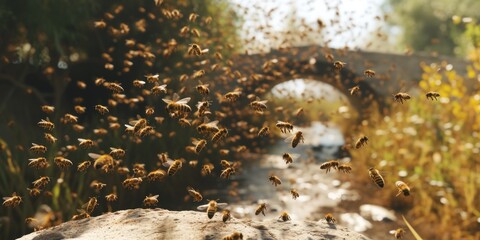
(427, 25)
(432, 146)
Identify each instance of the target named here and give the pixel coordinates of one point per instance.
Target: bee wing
(212, 123)
(168, 163)
(6, 198)
(81, 139)
(175, 97)
(155, 196)
(392, 231)
(289, 138)
(345, 160)
(184, 100)
(167, 101)
(34, 144)
(128, 126)
(222, 205)
(202, 207)
(94, 155)
(263, 102)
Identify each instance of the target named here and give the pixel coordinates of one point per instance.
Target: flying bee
(174, 166)
(284, 216)
(83, 166)
(41, 182)
(398, 233)
(138, 124)
(62, 162)
(259, 105)
(220, 134)
(159, 89)
(97, 185)
(195, 32)
(345, 168)
(294, 193)
(207, 169)
(46, 124)
(85, 143)
(261, 209)
(82, 214)
(295, 139)
(202, 107)
(275, 180)
(152, 78)
(117, 152)
(184, 122)
(376, 177)
(432, 95)
(150, 201)
(401, 96)
(164, 158)
(339, 65)
(90, 205)
(233, 96)
(329, 218)
(208, 127)
(12, 201)
(194, 49)
(193, 17)
(284, 126)
(112, 197)
(233, 236)
(39, 162)
(198, 74)
(202, 88)
(329, 165)
(104, 162)
(157, 175)
(402, 188)
(354, 90)
(226, 215)
(138, 83)
(176, 105)
(36, 148)
(79, 109)
(147, 130)
(132, 183)
(101, 109)
(227, 172)
(369, 73)
(263, 131)
(33, 192)
(149, 111)
(99, 24)
(199, 145)
(69, 118)
(48, 109)
(288, 158)
(211, 207)
(362, 141)
(50, 138)
(114, 87)
(197, 197)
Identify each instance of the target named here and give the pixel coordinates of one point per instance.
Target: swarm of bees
(213, 134)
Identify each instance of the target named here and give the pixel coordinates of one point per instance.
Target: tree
(427, 25)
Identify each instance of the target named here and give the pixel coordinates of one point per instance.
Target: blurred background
(60, 59)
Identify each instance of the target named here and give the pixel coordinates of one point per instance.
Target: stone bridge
(394, 73)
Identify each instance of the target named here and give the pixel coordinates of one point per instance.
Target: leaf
(414, 233)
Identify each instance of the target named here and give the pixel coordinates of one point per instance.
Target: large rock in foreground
(163, 224)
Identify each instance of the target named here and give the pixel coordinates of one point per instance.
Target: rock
(355, 222)
(163, 224)
(377, 213)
